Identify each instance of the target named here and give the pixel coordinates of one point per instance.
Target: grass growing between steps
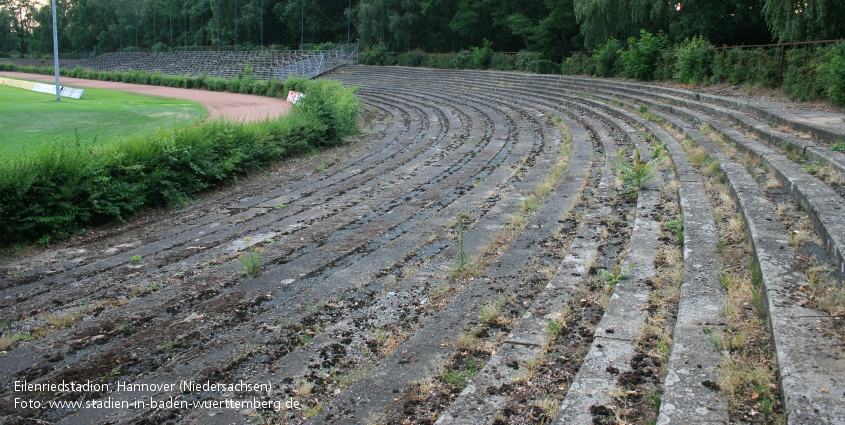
(825, 288)
(466, 268)
(638, 400)
(748, 373)
(423, 401)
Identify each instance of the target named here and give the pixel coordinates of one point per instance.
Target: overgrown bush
(483, 56)
(691, 60)
(412, 58)
(579, 64)
(737, 66)
(276, 89)
(216, 84)
(831, 73)
(259, 88)
(503, 62)
(665, 67)
(246, 85)
(296, 83)
(55, 191)
(545, 66)
(462, 60)
(640, 59)
(765, 67)
(526, 61)
(606, 58)
(377, 54)
(799, 76)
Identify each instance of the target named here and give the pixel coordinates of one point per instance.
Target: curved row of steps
(452, 266)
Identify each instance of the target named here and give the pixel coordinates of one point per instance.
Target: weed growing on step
(144, 290)
(48, 324)
(464, 265)
(461, 377)
(251, 262)
(634, 172)
(839, 146)
(677, 226)
(491, 311)
(613, 276)
(310, 411)
(826, 173)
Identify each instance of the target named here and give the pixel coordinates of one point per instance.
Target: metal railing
(309, 67)
(317, 64)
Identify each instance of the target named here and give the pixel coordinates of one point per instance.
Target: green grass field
(29, 119)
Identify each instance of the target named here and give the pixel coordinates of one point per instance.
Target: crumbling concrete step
(811, 362)
(526, 342)
(419, 356)
(621, 324)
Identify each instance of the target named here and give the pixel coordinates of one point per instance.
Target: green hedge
(477, 58)
(809, 73)
(60, 189)
(246, 85)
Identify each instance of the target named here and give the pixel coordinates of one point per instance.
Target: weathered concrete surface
(477, 405)
(621, 324)
(690, 392)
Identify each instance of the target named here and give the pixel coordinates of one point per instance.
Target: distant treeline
(552, 28)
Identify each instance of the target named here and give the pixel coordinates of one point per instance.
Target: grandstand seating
(265, 65)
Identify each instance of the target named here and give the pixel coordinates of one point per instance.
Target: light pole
(262, 24)
(302, 35)
(348, 21)
(236, 26)
(56, 53)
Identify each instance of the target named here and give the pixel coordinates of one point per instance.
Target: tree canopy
(551, 27)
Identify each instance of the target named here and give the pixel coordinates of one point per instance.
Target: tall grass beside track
(61, 188)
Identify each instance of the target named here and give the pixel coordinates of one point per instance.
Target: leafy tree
(792, 20)
(548, 27)
(395, 22)
(8, 40)
(42, 33)
(691, 60)
(325, 20)
(723, 22)
(602, 20)
(558, 32)
(18, 17)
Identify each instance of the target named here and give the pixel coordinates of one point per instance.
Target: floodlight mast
(56, 54)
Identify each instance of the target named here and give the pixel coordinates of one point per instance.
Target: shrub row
(809, 72)
(477, 58)
(59, 189)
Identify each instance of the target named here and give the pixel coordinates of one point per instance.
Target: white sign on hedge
(294, 96)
